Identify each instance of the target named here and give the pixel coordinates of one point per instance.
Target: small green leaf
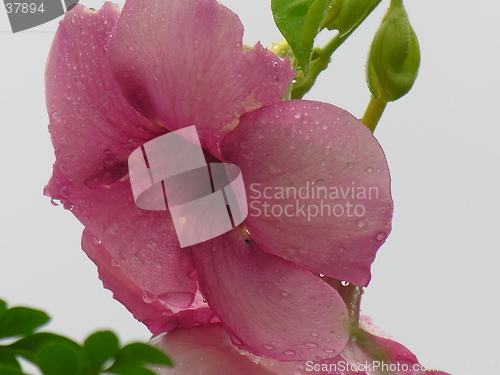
(59, 359)
(299, 22)
(137, 355)
(99, 347)
(28, 346)
(21, 321)
(10, 371)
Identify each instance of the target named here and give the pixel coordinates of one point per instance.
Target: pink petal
(143, 244)
(375, 348)
(92, 126)
(145, 307)
(182, 63)
(304, 147)
(269, 306)
(205, 350)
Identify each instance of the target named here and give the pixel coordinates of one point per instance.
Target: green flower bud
(394, 57)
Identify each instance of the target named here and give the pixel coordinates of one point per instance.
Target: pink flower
(117, 80)
(207, 350)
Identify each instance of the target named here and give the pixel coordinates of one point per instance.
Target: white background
(435, 282)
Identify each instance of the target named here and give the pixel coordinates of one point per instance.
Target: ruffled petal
(145, 307)
(374, 347)
(92, 126)
(318, 186)
(205, 350)
(182, 63)
(268, 305)
(142, 244)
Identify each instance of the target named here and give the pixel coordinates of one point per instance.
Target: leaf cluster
(58, 355)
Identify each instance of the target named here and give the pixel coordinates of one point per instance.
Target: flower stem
(322, 57)
(373, 113)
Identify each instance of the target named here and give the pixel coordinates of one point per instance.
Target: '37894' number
(24, 8)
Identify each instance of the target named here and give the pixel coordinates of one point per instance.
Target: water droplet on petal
(179, 299)
(328, 149)
(311, 345)
(109, 158)
(54, 202)
(331, 351)
(152, 244)
(289, 352)
(148, 297)
(268, 347)
(297, 115)
(315, 334)
(360, 223)
(344, 283)
(285, 294)
(380, 236)
(114, 263)
(97, 241)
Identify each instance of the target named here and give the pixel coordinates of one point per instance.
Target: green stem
(373, 113)
(306, 82)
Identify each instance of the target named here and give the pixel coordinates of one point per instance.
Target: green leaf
(8, 359)
(59, 359)
(99, 347)
(28, 346)
(137, 355)
(10, 371)
(21, 321)
(3, 308)
(345, 15)
(299, 22)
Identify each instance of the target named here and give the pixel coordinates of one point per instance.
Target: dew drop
(315, 334)
(328, 149)
(109, 158)
(131, 48)
(97, 241)
(179, 299)
(369, 170)
(132, 144)
(330, 351)
(285, 294)
(148, 297)
(344, 283)
(311, 345)
(321, 275)
(268, 347)
(289, 352)
(137, 262)
(114, 263)
(152, 244)
(361, 223)
(297, 115)
(54, 202)
(380, 236)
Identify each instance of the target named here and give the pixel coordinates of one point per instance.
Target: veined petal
(142, 244)
(145, 307)
(92, 126)
(205, 350)
(318, 186)
(269, 306)
(182, 63)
